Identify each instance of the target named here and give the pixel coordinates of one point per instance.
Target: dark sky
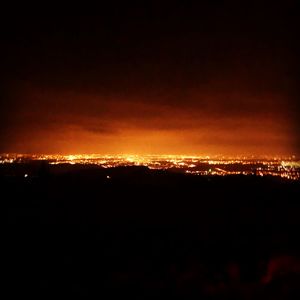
(199, 79)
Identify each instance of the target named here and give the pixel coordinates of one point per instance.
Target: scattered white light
(26, 175)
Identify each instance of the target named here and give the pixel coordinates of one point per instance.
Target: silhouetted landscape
(132, 231)
(150, 150)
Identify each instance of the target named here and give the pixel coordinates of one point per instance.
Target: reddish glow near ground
(68, 123)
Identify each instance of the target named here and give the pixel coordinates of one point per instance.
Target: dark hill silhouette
(147, 233)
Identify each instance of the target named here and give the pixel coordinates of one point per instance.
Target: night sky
(176, 79)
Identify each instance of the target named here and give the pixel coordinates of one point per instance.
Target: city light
(287, 167)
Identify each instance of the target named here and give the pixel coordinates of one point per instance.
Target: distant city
(288, 167)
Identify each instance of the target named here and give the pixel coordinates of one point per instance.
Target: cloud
(202, 120)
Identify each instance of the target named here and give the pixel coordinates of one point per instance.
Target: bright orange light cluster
(288, 167)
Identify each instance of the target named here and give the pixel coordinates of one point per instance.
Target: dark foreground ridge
(146, 234)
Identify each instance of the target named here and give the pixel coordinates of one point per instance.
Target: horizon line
(207, 156)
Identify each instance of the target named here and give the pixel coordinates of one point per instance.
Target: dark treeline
(74, 230)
